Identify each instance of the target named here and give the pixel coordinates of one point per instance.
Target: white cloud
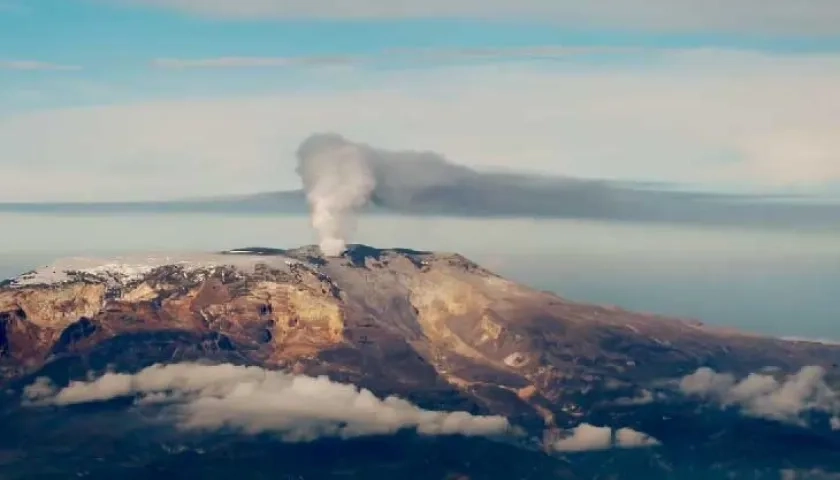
(586, 437)
(687, 117)
(806, 17)
(815, 151)
(764, 396)
(34, 65)
(41, 388)
(644, 397)
(255, 400)
(629, 438)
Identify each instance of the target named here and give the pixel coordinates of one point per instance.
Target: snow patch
(123, 270)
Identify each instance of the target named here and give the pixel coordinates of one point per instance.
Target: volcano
(433, 329)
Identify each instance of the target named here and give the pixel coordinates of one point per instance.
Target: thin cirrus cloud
(532, 52)
(419, 55)
(35, 65)
(250, 62)
(807, 17)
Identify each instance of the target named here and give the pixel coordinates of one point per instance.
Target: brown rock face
(431, 327)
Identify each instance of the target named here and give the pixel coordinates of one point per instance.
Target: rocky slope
(394, 320)
(433, 328)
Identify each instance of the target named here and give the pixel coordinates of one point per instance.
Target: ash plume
(341, 176)
(338, 180)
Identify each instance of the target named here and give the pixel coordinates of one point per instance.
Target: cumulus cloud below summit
(254, 400)
(586, 437)
(764, 396)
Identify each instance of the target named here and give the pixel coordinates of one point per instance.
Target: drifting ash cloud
(340, 177)
(586, 437)
(254, 400)
(764, 396)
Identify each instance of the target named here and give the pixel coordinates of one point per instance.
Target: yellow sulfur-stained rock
(56, 308)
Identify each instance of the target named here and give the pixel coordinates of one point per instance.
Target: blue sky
(133, 99)
(104, 36)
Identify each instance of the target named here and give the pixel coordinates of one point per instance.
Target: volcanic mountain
(434, 329)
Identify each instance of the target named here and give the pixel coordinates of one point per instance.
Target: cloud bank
(586, 437)
(254, 400)
(745, 129)
(763, 396)
(807, 17)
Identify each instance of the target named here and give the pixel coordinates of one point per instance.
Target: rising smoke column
(338, 180)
